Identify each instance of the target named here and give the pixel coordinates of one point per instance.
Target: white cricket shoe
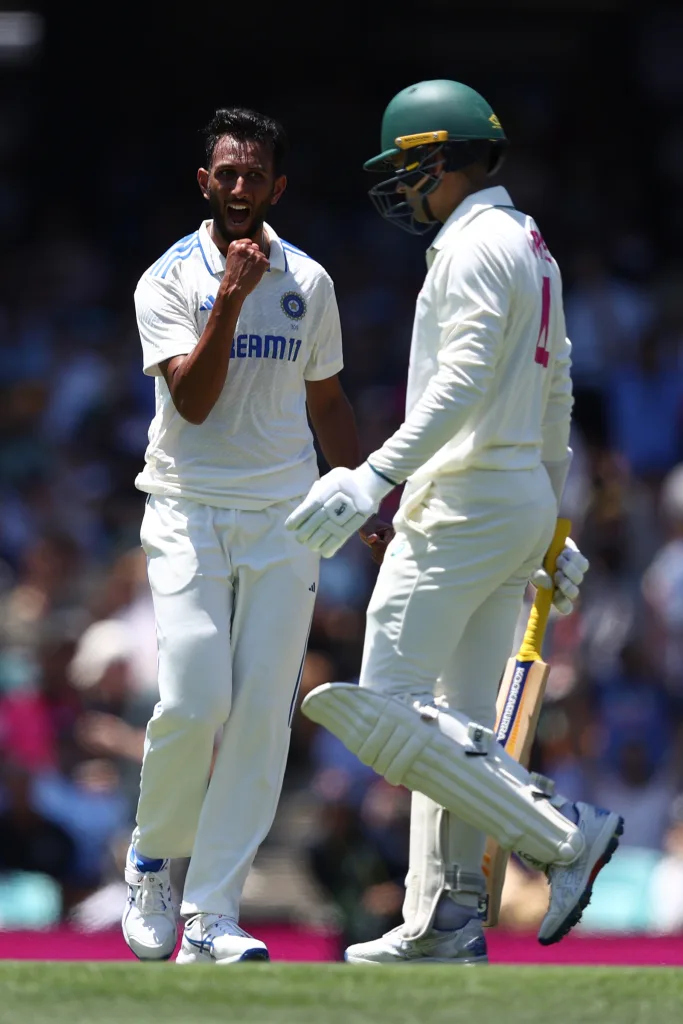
(217, 939)
(571, 885)
(465, 946)
(149, 919)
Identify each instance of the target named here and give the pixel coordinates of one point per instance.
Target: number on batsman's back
(518, 708)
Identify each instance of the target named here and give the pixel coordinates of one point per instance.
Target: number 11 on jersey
(541, 356)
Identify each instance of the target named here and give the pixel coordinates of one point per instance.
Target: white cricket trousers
(233, 598)
(441, 623)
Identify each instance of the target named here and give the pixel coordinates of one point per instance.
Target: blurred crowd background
(98, 151)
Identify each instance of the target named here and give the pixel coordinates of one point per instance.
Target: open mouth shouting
(237, 215)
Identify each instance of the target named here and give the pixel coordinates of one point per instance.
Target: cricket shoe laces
(463, 947)
(571, 885)
(149, 919)
(217, 938)
(155, 896)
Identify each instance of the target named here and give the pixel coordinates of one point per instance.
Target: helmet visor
(400, 198)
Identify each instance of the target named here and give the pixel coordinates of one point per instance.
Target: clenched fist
(245, 265)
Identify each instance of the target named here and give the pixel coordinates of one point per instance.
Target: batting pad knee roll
(451, 760)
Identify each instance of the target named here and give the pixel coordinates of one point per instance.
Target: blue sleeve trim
(176, 251)
(201, 249)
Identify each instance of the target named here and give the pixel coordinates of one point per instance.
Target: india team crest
(294, 305)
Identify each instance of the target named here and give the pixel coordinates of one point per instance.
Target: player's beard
(252, 226)
(419, 204)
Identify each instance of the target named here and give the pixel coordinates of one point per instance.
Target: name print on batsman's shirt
(255, 446)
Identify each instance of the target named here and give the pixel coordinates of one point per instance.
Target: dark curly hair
(248, 126)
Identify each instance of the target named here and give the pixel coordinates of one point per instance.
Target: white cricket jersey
(255, 446)
(489, 384)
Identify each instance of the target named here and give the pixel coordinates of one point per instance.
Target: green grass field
(97, 993)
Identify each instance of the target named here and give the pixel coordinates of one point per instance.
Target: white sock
(451, 915)
(569, 811)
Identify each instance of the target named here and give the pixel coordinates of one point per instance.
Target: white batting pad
(451, 760)
(438, 841)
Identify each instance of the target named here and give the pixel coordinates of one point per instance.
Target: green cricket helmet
(428, 129)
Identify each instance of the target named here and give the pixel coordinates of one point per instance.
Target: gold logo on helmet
(495, 122)
(410, 141)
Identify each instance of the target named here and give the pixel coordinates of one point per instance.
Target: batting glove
(336, 507)
(572, 566)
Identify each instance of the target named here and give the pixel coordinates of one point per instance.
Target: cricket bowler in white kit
(484, 454)
(241, 332)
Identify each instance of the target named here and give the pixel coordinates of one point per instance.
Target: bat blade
(519, 705)
(518, 708)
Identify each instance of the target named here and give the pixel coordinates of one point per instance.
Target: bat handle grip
(532, 643)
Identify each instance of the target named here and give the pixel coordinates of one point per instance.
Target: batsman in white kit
(484, 454)
(241, 332)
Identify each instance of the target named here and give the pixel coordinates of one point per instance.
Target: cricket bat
(518, 708)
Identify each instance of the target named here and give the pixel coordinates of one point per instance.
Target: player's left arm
(556, 456)
(475, 292)
(330, 411)
(333, 422)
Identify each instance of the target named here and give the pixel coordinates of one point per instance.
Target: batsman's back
(531, 392)
(490, 324)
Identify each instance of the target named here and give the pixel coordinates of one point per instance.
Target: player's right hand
(572, 566)
(245, 265)
(377, 535)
